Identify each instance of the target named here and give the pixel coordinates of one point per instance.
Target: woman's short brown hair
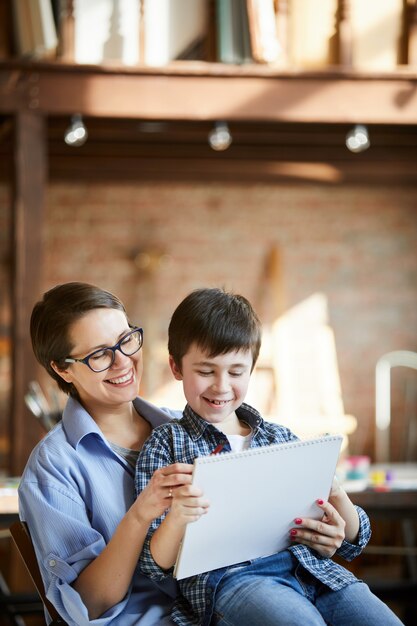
(52, 318)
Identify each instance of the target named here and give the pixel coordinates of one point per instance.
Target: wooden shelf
(199, 91)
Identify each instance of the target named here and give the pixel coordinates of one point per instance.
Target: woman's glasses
(102, 359)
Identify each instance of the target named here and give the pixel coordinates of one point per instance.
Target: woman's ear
(64, 374)
(174, 368)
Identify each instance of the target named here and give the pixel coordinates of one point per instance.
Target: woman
(76, 493)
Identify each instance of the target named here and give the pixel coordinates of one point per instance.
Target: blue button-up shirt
(73, 494)
(182, 441)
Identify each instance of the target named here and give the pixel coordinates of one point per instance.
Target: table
(395, 504)
(399, 506)
(9, 510)
(394, 500)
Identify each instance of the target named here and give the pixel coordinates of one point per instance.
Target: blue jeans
(280, 592)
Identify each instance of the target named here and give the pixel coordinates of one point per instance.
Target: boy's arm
(158, 452)
(188, 505)
(155, 454)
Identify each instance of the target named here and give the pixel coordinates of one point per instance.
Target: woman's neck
(123, 425)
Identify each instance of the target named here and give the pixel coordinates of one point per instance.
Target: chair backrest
(23, 541)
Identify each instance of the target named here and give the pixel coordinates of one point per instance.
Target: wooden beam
(197, 91)
(317, 99)
(27, 216)
(137, 168)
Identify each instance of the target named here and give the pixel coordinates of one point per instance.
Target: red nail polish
(298, 520)
(320, 501)
(293, 532)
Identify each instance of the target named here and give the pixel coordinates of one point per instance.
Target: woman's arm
(105, 582)
(346, 509)
(340, 522)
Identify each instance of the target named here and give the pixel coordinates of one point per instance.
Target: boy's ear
(65, 374)
(174, 368)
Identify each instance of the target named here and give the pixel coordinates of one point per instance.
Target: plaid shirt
(182, 441)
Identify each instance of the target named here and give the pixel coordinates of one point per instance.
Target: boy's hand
(188, 505)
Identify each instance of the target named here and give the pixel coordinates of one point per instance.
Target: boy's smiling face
(214, 387)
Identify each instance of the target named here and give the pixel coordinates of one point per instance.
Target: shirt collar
(196, 426)
(249, 415)
(78, 423)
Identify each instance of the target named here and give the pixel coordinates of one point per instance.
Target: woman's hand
(157, 495)
(188, 505)
(324, 536)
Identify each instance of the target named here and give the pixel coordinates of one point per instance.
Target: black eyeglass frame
(117, 346)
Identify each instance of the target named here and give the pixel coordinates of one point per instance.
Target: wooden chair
(23, 541)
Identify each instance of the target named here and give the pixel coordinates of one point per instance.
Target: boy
(214, 342)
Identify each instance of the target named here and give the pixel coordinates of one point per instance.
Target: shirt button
(52, 562)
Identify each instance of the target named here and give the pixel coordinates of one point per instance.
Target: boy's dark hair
(52, 318)
(217, 321)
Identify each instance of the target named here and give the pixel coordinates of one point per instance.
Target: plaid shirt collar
(197, 426)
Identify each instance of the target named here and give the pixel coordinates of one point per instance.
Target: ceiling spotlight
(76, 133)
(220, 138)
(357, 139)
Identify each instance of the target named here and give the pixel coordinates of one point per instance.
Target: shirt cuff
(149, 567)
(348, 550)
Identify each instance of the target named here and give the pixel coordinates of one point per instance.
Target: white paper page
(255, 495)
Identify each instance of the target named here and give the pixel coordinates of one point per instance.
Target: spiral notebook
(255, 495)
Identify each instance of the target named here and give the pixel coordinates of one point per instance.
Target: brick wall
(357, 245)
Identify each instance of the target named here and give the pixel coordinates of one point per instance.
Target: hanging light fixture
(76, 134)
(220, 138)
(357, 139)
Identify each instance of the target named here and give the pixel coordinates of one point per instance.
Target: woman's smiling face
(103, 328)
